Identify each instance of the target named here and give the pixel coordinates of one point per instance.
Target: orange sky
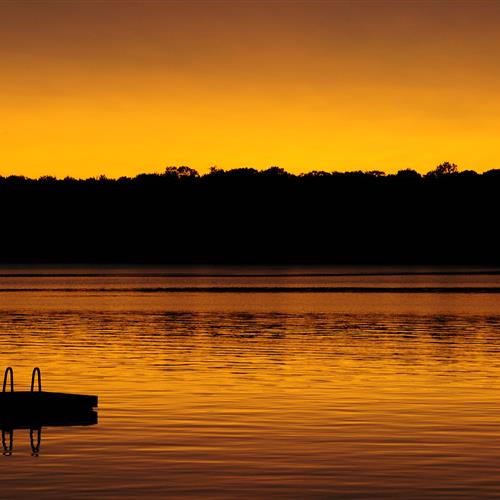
(119, 88)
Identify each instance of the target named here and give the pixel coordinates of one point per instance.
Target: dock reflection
(35, 423)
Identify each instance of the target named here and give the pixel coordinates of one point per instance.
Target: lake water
(268, 383)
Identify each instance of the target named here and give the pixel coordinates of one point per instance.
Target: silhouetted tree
(275, 172)
(408, 174)
(180, 172)
(445, 168)
(254, 217)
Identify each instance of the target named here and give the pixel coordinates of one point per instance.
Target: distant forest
(245, 216)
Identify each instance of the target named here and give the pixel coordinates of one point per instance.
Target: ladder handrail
(7, 371)
(36, 370)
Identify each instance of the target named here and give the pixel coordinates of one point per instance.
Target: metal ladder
(9, 370)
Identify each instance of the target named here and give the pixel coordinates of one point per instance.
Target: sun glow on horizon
(121, 88)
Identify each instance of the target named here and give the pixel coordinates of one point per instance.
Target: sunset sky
(122, 87)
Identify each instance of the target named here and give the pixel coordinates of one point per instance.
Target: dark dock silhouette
(36, 409)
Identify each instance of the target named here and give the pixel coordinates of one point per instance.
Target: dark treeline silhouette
(245, 216)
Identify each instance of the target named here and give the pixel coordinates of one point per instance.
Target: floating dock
(20, 409)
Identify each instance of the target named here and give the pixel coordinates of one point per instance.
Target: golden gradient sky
(119, 88)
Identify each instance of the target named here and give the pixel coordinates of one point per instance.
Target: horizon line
(187, 171)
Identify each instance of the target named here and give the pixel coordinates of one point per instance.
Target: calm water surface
(231, 383)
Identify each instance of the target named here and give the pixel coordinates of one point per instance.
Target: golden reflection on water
(241, 395)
